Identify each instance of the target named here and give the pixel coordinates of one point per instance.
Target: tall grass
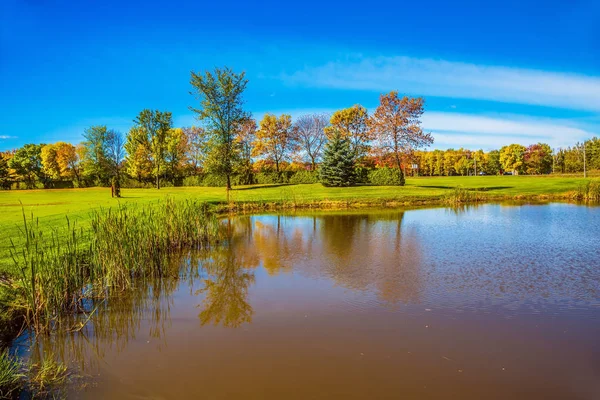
(461, 195)
(58, 273)
(588, 191)
(10, 376)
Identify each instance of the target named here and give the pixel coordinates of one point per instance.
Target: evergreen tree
(337, 168)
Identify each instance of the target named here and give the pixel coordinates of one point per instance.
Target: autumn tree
(245, 141)
(138, 160)
(538, 159)
(396, 127)
(352, 123)
(155, 127)
(5, 173)
(276, 139)
(49, 161)
(512, 158)
(311, 135)
(69, 157)
(196, 149)
(176, 152)
(221, 111)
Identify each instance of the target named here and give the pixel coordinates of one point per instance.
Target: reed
(460, 195)
(47, 377)
(588, 191)
(10, 375)
(58, 273)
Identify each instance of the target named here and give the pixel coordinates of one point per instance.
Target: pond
(494, 301)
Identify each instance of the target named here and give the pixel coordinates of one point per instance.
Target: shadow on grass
(262, 186)
(477, 189)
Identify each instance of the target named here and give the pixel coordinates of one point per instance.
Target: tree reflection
(226, 289)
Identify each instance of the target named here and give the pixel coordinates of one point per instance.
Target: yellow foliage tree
(352, 123)
(275, 139)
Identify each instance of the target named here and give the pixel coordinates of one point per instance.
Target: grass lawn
(51, 206)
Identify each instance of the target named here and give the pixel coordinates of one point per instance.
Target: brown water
(494, 302)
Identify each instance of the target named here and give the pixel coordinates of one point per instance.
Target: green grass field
(52, 206)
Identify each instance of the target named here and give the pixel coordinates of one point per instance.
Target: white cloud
(4, 137)
(456, 79)
(475, 131)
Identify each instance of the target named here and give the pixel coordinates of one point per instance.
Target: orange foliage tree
(396, 127)
(276, 139)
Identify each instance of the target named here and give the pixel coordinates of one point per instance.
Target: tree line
(231, 147)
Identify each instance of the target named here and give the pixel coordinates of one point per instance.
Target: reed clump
(10, 375)
(46, 377)
(57, 273)
(588, 191)
(461, 195)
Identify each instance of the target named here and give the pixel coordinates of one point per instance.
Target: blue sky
(493, 74)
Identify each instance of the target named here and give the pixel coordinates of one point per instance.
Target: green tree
(155, 127)
(337, 168)
(492, 163)
(512, 158)
(27, 163)
(221, 110)
(138, 161)
(176, 153)
(95, 163)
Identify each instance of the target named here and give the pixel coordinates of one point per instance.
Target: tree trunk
(228, 187)
(158, 176)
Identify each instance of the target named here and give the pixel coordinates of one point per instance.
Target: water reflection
(337, 282)
(225, 288)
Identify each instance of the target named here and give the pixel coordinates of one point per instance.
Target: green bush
(362, 175)
(214, 180)
(194, 180)
(268, 178)
(385, 177)
(129, 183)
(304, 177)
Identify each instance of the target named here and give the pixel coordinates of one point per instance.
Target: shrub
(267, 178)
(135, 184)
(385, 177)
(362, 175)
(214, 180)
(304, 177)
(194, 180)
